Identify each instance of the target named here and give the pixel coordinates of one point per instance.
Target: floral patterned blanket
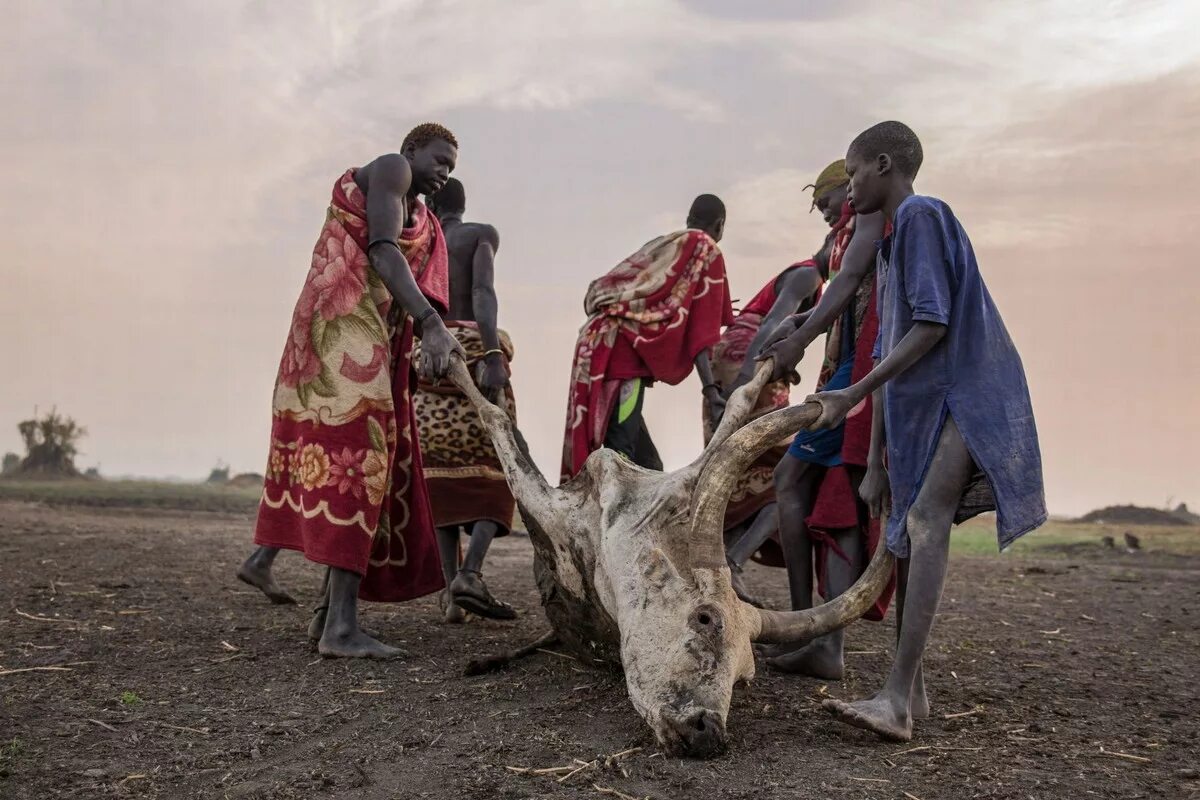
(344, 482)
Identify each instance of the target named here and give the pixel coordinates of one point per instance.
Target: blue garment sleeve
(922, 253)
(877, 350)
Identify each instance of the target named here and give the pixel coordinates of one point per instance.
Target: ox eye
(704, 619)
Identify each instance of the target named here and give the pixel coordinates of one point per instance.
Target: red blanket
(649, 317)
(344, 483)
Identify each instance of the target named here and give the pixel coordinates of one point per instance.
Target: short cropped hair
(451, 197)
(706, 210)
(894, 138)
(425, 133)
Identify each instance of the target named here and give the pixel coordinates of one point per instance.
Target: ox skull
(642, 553)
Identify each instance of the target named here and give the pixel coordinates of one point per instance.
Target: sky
(169, 165)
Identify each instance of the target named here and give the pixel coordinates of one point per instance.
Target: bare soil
(1066, 676)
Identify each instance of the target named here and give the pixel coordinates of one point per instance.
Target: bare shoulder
(390, 172)
(483, 232)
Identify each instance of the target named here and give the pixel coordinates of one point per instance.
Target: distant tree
(12, 462)
(91, 472)
(51, 444)
(219, 474)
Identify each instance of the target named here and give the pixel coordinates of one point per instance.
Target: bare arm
(486, 310)
(483, 286)
(857, 263)
(794, 288)
(389, 179)
(919, 340)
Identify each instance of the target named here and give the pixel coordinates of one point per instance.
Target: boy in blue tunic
(950, 392)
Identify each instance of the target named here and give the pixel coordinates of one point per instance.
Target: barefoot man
(952, 410)
(652, 318)
(467, 486)
(344, 483)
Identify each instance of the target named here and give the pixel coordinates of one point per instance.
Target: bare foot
(452, 613)
(469, 591)
(355, 644)
(877, 714)
(740, 588)
(260, 578)
(818, 659)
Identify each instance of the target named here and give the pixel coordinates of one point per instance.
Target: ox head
(650, 546)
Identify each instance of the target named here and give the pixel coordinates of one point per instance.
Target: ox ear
(657, 567)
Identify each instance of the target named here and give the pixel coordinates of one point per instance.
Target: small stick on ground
(1126, 756)
(961, 714)
(104, 725)
(36, 618)
(613, 792)
(868, 780)
(35, 669)
(577, 770)
(201, 731)
(910, 796)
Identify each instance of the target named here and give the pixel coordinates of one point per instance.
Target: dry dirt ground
(133, 665)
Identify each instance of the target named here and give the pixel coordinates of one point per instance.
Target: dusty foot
(452, 612)
(818, 659)
(470, 592)
(355, 644)
(260, 578)
(740, 588)
(877, 714)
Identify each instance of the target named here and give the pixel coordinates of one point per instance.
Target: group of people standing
(377, 466)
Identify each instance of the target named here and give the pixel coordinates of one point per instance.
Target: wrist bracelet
(494, 352)
(426, 314)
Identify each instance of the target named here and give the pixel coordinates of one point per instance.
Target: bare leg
(256, 571)
(342, 637)
(920, 702)
(447, 541)
(823, 657)
(317, 626)
(765, 523)
(889, 713)
(746, 539)
(468, 588)
(796, 484)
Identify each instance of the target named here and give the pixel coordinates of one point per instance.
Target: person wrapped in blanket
(651, 318)
(467, 487)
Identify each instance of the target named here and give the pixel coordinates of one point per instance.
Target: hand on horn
(835, 405)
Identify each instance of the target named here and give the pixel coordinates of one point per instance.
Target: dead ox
(631, 569)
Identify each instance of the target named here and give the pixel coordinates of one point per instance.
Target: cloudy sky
(169, 164)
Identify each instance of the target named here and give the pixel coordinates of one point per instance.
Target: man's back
(463, 240)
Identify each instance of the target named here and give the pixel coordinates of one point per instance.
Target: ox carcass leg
(492, 663)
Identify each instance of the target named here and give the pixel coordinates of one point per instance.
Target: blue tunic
(927, 272)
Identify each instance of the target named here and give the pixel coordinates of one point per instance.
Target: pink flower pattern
(346, 471)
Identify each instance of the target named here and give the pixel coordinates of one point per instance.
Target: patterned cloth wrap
(466, 481)
(650, 316)
(344, 481)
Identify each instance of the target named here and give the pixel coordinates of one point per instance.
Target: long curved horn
(792, 626)
(725, 465)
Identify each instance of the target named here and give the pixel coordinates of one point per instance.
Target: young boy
(956, 415)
